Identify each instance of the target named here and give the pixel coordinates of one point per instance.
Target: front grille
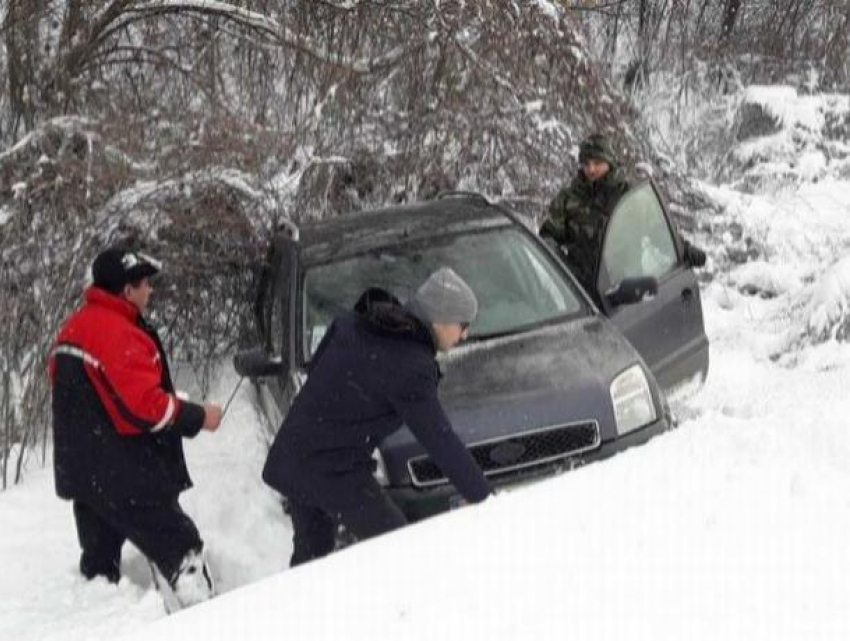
(519, 451)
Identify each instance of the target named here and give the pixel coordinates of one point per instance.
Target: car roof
(358, 232)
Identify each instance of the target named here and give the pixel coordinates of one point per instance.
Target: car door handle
(687, 296)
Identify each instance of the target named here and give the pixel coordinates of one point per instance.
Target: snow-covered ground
(734, 526)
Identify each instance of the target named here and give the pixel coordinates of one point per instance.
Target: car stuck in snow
(551, 376)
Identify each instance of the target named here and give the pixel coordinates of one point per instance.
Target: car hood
(500, 387)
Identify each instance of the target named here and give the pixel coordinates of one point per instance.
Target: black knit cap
(116, 267)
(597, 147)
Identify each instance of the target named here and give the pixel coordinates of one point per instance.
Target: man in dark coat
(579, 213)
(374, 370)
(118, 428)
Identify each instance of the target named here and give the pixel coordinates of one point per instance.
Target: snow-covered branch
(266, 27)
(251, 19)
(66, 125)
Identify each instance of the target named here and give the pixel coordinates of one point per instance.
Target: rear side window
(638, 240)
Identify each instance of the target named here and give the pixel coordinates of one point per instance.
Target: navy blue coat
(372, 372)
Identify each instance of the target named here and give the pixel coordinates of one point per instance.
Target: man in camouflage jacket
(579, 212)
(578, 215)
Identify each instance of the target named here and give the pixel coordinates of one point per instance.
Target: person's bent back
(374, 370)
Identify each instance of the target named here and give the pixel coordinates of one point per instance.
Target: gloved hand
(694, 256)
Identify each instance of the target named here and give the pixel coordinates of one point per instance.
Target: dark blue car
(548, 379)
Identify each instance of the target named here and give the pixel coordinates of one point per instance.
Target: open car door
(667, 328)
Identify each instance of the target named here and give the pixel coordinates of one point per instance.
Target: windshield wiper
(522, 329)
(502, 334)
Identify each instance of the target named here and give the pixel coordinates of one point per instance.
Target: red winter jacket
(117, 423)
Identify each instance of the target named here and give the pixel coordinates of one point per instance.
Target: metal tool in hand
(232, 396)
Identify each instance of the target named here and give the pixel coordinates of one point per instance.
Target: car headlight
(632, 398)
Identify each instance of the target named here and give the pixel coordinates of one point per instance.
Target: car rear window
(516, 283)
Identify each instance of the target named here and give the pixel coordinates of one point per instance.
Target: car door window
(276, 332)
(269, 304)
(265, 298)
(638, 239)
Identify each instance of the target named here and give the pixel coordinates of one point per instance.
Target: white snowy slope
(734, 526)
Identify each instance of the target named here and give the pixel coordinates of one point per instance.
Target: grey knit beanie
(446, 298)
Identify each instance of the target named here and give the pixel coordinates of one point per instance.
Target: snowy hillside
(733, 526)
(785, 135)
(195, 130)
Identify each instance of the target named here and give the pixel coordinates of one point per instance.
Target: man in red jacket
(117, 430)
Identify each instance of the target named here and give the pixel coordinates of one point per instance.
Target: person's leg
(166, 535)
(193, 582)
(369, 511)
(100, 543)
(313, 533)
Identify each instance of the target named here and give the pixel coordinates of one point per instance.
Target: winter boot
(169, 598)
(191, 584)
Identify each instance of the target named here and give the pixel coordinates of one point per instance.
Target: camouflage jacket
(577, 218)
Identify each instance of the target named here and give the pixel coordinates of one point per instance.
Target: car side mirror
(256, 363)
(632, 290)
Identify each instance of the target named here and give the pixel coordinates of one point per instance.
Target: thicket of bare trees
(767, 41)
(75, 192)
(189, 127)
(684, 64)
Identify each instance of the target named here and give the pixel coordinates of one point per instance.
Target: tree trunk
(837, 53)
(730, 17)
(20, 28)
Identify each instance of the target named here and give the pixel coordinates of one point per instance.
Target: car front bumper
(420, 503)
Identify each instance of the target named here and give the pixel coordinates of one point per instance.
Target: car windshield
(517, 285)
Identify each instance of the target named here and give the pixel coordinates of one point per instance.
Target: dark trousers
(365, 511)
(164, 533)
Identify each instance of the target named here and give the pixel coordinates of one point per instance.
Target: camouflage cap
(597, 147)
